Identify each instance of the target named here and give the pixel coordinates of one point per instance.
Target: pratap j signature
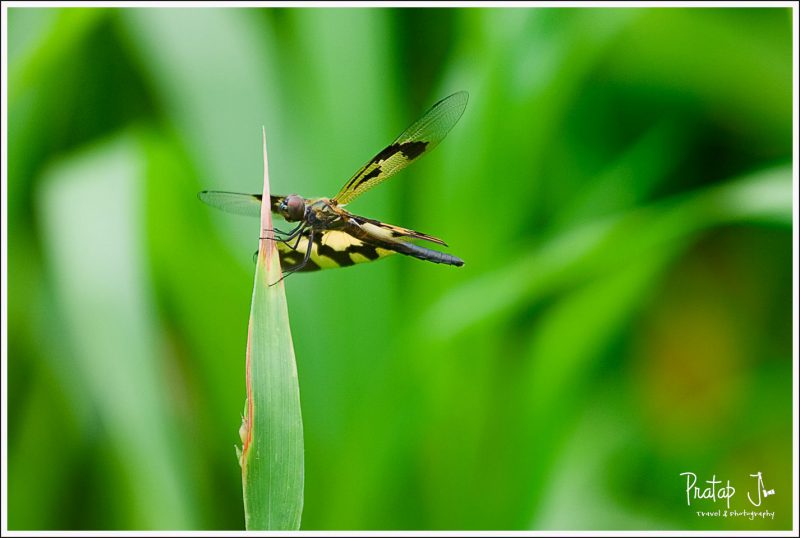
(715, 490)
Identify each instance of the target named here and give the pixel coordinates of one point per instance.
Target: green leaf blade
(272, 456)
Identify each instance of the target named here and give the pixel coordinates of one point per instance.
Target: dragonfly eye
(293, 208)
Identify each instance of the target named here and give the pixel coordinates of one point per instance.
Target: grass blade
(272, 455)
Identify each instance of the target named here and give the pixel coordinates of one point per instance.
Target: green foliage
(272, 455)
(619, 188)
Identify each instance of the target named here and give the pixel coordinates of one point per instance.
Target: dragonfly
(328, 236)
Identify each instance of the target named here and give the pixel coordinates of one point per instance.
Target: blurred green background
(620, 188)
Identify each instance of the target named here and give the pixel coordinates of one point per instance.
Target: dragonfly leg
(288, 235)
(301, 264)
(296, 232)
(293, 230)
(297, 243)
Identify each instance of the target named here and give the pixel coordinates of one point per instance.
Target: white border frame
(349, 4)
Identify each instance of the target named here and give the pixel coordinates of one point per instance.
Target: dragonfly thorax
(322, 214)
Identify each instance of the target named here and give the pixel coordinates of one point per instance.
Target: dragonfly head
(292, 208)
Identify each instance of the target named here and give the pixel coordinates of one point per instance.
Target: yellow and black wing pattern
(330, 249)
(419, 138)
(360, 240)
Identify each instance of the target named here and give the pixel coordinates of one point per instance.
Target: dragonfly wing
(238, 203)
(330, 249)
(385, 236)
(360, 240)
(395, 232)
(421, 137)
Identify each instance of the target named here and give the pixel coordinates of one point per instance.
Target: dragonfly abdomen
(422, 253)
